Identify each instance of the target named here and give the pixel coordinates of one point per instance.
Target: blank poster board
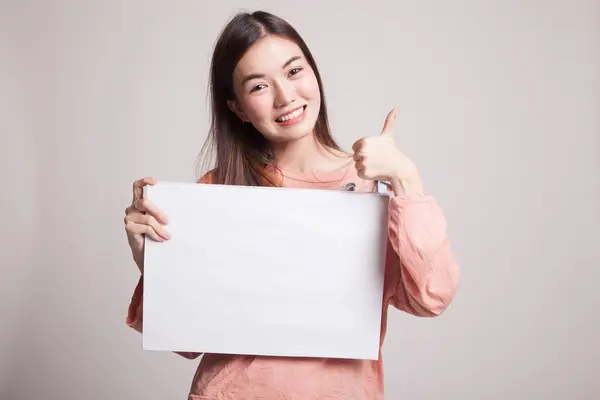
(266, 271)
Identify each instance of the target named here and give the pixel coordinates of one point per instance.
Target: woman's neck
(306, 155)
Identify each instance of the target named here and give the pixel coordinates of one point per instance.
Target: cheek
(258, 107)
(308, 87)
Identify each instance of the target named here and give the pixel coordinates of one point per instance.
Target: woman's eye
(257, 87)
(295, 71)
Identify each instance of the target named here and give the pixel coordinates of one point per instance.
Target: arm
(135, 312)
(421, 274)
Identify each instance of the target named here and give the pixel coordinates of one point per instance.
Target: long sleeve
(421, 273)
(135, 315)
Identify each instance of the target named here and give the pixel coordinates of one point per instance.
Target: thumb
(390, 123)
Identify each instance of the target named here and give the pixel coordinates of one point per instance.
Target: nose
(285, 93)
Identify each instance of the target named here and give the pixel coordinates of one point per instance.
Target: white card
(266, 271)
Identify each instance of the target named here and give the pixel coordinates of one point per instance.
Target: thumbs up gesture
(379, 158)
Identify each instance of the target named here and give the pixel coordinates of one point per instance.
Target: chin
(285, 137)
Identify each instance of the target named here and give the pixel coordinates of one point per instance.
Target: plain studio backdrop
(498, 107)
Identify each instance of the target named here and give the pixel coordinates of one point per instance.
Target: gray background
(499, 109)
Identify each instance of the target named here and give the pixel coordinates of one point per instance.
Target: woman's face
(276, 90)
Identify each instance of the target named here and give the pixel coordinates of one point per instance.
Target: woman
(270, 127)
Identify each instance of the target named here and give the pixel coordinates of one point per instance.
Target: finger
(145, 219)
(151, 232)
(154, 230)
(147, 206)
(360, 173)
(359, 165)
(358, 145)
(390, 122)
(133, 228)
(156, 226)
(358, 156)
(138, 187)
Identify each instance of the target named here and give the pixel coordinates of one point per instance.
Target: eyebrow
(258, 76)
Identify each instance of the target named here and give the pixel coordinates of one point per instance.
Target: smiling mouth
(292, 115)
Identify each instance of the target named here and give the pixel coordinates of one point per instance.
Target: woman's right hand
(143, 219)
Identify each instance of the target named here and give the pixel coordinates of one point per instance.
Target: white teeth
(291, 115)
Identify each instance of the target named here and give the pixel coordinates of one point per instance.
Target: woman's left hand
(378, 158)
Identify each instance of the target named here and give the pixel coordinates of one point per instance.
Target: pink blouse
(421, 278)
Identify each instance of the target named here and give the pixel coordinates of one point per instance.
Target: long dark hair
(243, 155)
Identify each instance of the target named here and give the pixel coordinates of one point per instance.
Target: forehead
(266, 56)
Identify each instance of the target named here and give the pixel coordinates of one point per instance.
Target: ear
(235, 109)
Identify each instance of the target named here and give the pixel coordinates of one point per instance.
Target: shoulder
(208, 178)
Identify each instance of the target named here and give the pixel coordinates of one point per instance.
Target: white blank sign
(266, 271)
